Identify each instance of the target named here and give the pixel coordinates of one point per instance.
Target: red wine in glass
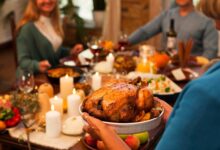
(96, 50)
(122, 44)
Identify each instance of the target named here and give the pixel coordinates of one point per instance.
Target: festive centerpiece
(9, 114)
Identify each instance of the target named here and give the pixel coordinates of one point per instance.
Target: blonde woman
(40, 35)
(212, 9)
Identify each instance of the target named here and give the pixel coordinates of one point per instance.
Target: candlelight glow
(56, 98)
(52, 107)
(96, 74)
(94, 46)
(74, 91)
(66, 76)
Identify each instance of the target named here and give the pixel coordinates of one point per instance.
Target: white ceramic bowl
(134, 127)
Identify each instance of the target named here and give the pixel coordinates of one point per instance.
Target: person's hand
(107, 135)
(167, 108)
(95, 127)
(76, 49)
(44, 65)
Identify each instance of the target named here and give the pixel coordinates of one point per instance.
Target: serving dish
(134, 127)
(169, 91)
(159, 84)
(55, 73)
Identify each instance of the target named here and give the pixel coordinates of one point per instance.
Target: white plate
(174, 86)
(70, 63)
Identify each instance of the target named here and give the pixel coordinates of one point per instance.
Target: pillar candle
(53, 123)
(57, 102)
(110, 59)
(66, 87)
(96, 81)
(73, 103)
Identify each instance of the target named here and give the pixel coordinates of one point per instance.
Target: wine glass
(95, 47)
(26, 80)
(123, 41)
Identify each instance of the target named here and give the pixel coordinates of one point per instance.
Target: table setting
(104, 85)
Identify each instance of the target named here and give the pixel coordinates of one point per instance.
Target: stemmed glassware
(95, 47)
(123, 41)
(26, 80)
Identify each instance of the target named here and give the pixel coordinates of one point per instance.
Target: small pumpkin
(160, 59)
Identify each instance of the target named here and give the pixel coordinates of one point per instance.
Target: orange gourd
(160, 59)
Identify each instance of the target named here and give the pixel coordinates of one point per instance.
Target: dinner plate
(70, 63)
(188, 73)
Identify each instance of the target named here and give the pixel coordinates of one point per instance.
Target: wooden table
(9, 143)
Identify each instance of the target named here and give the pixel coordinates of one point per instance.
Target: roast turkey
(119, 102)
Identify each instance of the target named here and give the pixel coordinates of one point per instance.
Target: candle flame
(94, 46)
(56, 98)
(66, 76)
(74, 91)
(97, 74)
(52, 107)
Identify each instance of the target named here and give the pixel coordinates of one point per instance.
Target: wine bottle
(171, 37)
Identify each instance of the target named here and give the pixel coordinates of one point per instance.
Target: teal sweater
(33, 46)
(195, 25)
(195, 121)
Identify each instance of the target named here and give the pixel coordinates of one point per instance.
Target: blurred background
(82, 19)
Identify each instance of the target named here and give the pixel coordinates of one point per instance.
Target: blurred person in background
(40, 36)
(212, 11)
(189, 23)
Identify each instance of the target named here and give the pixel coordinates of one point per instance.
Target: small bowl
(134, 127)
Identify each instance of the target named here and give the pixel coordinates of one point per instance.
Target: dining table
(9, 143)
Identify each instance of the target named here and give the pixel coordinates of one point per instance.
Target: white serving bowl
(134, 127)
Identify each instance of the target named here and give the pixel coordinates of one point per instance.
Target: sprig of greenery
(27, 103)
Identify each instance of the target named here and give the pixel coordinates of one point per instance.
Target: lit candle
(110, 60)
(53, 123)
(96, 81)
(57, 102)
(66, 87)
(73, 103)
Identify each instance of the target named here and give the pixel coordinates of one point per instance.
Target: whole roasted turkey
(119, 102)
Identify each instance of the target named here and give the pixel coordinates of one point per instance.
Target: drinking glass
(26, 80)
(95, 47)
(123, 41)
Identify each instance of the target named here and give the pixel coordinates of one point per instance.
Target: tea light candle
(53, 123)
(57, 102)
(73, 102)
(96, 81)
(66, 87)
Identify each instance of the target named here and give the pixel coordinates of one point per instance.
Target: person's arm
(105, 133)
(75, 50)
(191, 121)
(147, 31)
(210, 41)
(25, 44)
